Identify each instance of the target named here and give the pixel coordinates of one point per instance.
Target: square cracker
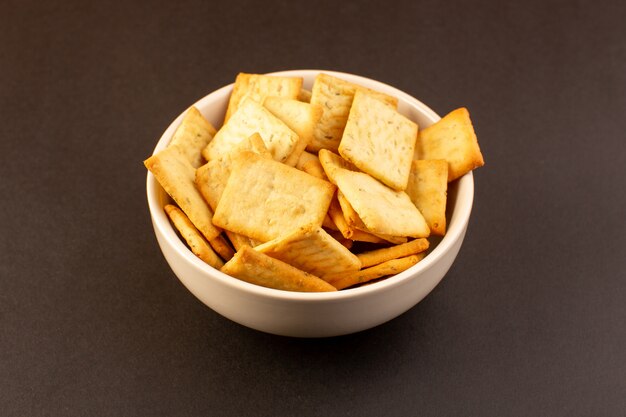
(379, 140)
(193, 135)
(174, 172)
(428, 187)
(383, 210)
(452, 138)
(312, 250)
(211, 178)
(335, 97)
(257, 268)
(251, 117)
(258, 86)
(264, 199)
(299, 117)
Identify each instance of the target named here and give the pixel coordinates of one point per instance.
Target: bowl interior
(213, 107)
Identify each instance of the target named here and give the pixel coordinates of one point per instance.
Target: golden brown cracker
(193, 135)
(383, 210)
(427, 188)
(196, 242)
(251, 117)
(378, 256)
(392, 267)
(379, 140)
(174, 172)
(312, 250)
(452, 138)
(299, 117)
(258, 86)
(211, 178)
(257, 268)
(264, 199)
(335, 96)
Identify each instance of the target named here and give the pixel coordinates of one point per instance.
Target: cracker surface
(452, 138)
(427, 189)
(264, 199)
(379, 140)
(193, 135)
(258, 86)
(335, 96)
(257, 268)
(174, 172)
(312, 250)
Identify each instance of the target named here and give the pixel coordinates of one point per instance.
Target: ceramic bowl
(312, 314)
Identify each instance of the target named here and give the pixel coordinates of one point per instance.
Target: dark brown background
(530, 319)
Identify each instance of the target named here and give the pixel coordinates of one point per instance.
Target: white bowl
(312, 314)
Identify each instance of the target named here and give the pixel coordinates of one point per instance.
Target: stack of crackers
(284, 194)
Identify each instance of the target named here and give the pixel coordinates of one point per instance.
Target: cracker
(304, 158)
(304, 95)
(299, 117)
(383, 210)
(427, 188)
(331, 162)
(379, 140)
(238, 241)
(452, 138)
(251, 117)
(312, 250)
(257, 268)
(193, 135)
(392, 267)
(174, 172)
(196, 242)
(211, 178)
(221, 246)
(264, 199)
(378, 256)
(257, 87)
(335, 97)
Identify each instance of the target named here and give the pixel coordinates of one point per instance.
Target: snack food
(318, 213)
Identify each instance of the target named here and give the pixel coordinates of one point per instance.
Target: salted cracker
(193, 135)
(174, 172)
(258, 86)
(264, 199)
(427, 189)
(251, 117)
(257, 268)
(335, 96)
(392, 267)
(452, 138)
(312, 250)
(379, 140)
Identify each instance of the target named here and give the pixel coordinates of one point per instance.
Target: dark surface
(530, 320)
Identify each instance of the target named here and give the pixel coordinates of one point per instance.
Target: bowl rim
(455, 230)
